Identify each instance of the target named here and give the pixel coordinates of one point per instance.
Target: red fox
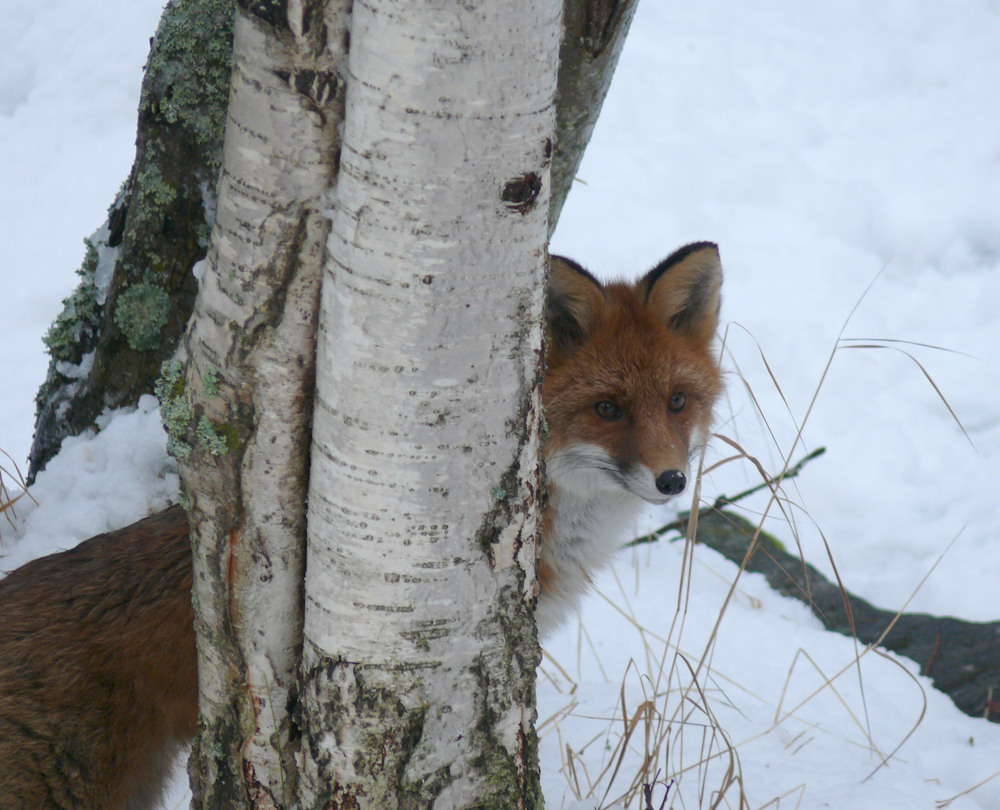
(98, 671)
(630, 382)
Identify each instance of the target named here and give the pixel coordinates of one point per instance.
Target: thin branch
(680, 525)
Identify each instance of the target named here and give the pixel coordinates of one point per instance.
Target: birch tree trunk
(239, 410)
(239, 405)
(418, 674)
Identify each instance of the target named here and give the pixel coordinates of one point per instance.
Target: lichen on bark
(128, 321)
(67, 338)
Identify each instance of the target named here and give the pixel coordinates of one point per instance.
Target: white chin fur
(588, 471)
(593, 505)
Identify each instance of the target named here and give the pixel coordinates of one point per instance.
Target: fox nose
(671, 482)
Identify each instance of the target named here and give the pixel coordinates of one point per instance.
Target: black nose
(671, 482)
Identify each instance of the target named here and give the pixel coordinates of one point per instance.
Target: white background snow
(819, 145)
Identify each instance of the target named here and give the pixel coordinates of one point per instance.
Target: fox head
(631, 375)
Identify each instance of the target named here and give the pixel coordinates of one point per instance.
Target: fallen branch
(961, 658)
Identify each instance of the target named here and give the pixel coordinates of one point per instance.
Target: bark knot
(520, 193)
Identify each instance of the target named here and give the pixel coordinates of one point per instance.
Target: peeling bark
(239, 402)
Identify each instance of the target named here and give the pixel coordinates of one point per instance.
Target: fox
(631, 381)
(98, 667)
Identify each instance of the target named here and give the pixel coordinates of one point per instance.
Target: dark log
(961, 658)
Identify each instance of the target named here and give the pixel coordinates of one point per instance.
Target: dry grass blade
(774, 380)
(645, 710)
(776, 801)
(562, 672)
(790, 473)
(930, 379)
(553, 719)
(916, 725)
(569, 768)
(915, 590)
(828, 684)
(7, 500)
(947, 802)
(671, 720)
(912, 343)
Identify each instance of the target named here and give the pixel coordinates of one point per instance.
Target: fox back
(630, 382)
(98, 671)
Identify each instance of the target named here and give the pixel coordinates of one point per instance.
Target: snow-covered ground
(824, 147)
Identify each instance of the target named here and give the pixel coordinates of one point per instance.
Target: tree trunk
(136, 290)
(238, 402)
(238, 408)
(419, 657)
(961, 658)
(159, 223)
(593, 36)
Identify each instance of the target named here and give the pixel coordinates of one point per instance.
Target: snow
(69, 89)
(97, 483)
(826, 148)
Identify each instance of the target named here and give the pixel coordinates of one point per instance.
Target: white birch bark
(241, 425)
(419, 653)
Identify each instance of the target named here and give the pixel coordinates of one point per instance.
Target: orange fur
(631, 379)
(98, 675)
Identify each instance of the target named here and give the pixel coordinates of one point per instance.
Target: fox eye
(606, 409)
(677, 402)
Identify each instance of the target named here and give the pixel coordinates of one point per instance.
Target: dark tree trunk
(137, 289)
(593, 36)
(961, 658)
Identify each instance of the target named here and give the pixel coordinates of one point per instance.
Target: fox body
(98, 670)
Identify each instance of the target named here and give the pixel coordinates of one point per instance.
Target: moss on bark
(136, 291)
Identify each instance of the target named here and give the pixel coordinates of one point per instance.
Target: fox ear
(685, 290)
(573, 299)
